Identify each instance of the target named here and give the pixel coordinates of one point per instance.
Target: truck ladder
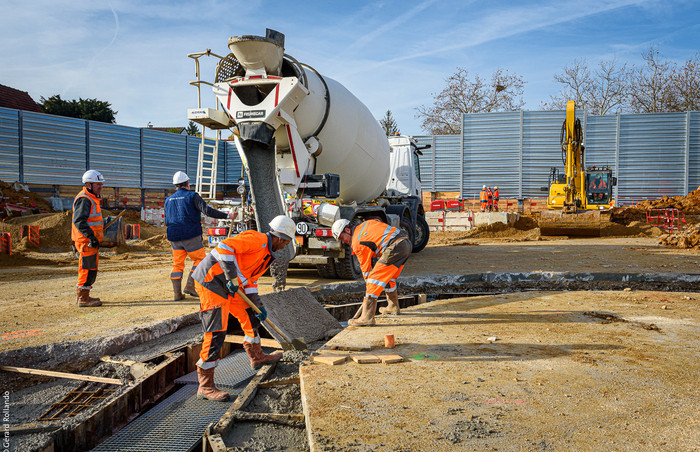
(207, 161)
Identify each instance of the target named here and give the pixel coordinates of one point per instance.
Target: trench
(272, 417)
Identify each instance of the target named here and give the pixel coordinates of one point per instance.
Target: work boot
(177, 291)
(207, 388)
(85, 301)
(189, 287)
(392, 307)
(369, 307)
(257, 355)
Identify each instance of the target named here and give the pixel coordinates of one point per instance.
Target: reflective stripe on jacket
(87, 217)
(482, 195)
(370, 239)
(243, 258)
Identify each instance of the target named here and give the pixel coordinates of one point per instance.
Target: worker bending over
(235, 262)
(87, 231)
(183, 218)
(368, 240)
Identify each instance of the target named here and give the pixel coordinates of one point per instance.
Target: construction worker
(489, 199)
(374, 239)
(483, 199)
(183, 218)
(495, 198)
(86, 232)
(235, 262)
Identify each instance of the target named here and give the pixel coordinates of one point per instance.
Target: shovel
(287, 344)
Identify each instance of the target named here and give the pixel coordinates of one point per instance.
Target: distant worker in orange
(598, 184)
(87, 231)
(489, 199)
(235, 262)
(374, 239)
(495, 198)
(183, 219)
(483, 199)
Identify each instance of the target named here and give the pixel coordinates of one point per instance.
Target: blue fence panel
(115, 152)
(449, 164)
(427, 162)
(54, 149)
(9, 144)
(164, 153)
(694, 151)
(541, 150)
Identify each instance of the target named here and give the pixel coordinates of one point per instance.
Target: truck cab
(404, 167)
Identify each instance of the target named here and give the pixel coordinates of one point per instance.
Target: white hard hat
(283, 227)
(180, 177)
(92, 176)
(484, 187)
(338, 227)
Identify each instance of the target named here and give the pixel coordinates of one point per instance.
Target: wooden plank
(243, 399)
(216, 443)
(281, 382)
(331, 360)
(265, 342)
(49, 373)
(366, 358)
(391, 359)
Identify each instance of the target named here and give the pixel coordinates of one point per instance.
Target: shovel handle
(115, 219)
(257, 310)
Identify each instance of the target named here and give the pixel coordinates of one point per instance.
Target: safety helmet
(338, 227)
(92, 176)
(496, 187)
(484, 187)
(283, 227)
(180, 177)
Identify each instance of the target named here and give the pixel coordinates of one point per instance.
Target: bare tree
(601, 92)
(389, 125)
(685, 85)
(651, 90)
(462, 95)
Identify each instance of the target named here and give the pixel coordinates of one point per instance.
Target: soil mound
(15, 194)
(690, 205)
(688, 238)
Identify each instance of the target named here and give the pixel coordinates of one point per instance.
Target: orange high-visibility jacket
(495, 194)
(85, 220)
(243, 258)
(369, 240)
(482, 195)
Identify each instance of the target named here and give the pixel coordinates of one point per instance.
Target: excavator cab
(599, 185)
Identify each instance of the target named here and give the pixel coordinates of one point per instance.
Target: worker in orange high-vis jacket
(87, 230)
(496, 198)
(235, 262)
(489, 199)
(374, 239)
(483, 199)
(183, 219)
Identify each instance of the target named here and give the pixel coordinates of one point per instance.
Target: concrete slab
(523, 371)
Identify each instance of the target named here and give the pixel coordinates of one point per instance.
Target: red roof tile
(14, 98)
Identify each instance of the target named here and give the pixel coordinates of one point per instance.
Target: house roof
(14, 98)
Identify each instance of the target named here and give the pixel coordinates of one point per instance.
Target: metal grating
(175, 424)
(231, 371)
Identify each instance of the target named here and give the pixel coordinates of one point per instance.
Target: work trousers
(383, 275)
(87, 265)
(214, 311)
(181, 249)
(483, 206)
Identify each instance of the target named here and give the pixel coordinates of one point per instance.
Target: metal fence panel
(233, 163)
(9, 144)
(541, 150)
(448, 166)
(426, 162)
(54, 149)
(164, 153)
(115, 151)
(694, 151)
(491, 156)
(652, 155)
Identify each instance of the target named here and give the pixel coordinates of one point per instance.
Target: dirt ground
(533, 371)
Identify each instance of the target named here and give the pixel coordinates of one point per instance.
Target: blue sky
(390, 54)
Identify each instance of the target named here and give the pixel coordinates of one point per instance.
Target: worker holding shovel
(235, 262)
(368, 240)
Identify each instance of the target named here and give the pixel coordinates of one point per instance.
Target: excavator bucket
(585, 223)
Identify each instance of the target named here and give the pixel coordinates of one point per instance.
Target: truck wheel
(422, 234)
(348, 267)
(407, 228)
(327, 270)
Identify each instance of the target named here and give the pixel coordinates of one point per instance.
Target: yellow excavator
(579, 200)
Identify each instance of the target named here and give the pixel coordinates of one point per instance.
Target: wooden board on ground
(49, 373)
(331, 360)
(297, 313)
(366, 358)
(265, 342)
(391, 358)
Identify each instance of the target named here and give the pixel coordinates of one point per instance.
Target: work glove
(94, 243)
(232, 287)
(262, 315)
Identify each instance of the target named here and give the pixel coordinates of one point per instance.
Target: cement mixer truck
(310, 149)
